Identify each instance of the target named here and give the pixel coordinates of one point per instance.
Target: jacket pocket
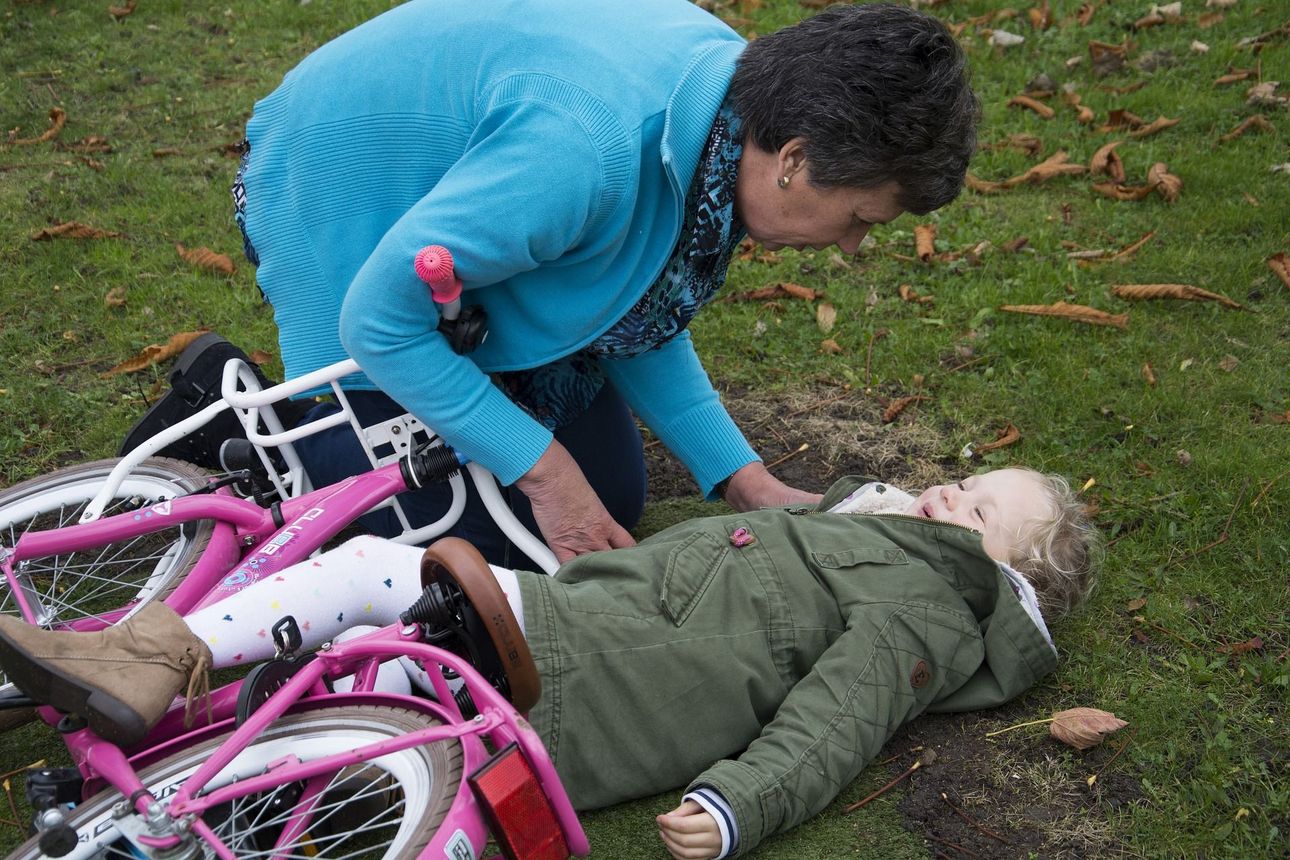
(863, 555)
(691, 567)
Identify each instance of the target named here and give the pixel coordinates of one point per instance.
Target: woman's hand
(689, 832)
(753, 487)
(570, 515)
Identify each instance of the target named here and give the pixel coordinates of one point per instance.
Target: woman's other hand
(689, 832)
(570, 515)
(753, 487)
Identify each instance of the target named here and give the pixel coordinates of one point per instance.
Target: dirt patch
(843, 434)
(1030, 792)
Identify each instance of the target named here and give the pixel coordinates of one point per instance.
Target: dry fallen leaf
(57, 119)
(1041, 17)
(1159, 177)
(1136, 605)
(1085, 13)
(1186, 292)
(1238, 648)
(1106, 161)
(1228, 363)
(1057, 164)
(91, 144)
(72, 230)
(1007, 436)
(1159, 124)
(908, 294)
(1129, 250)
(1022, 142)
(119, 12)
(1078, 313)
(1120, 118)
(1116, 191)
(1234, 76)
(1258, 121)
(115, 297)
(898, 406)
(825, 316)
(1033, 104)
(925, 241)
(830, 346)
(774, 291)
(153, 354)
(205, 258)
(1265, 95)
(1083, 728)
(1280, 266)
(1148, 374)
(259, 356)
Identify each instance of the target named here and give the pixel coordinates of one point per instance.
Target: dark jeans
(603, 441)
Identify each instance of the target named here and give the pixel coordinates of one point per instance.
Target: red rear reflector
(517, 811)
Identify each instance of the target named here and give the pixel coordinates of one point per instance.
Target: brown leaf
(895, 407)
(259, 356)
(825, 317)
(1005, 437)
(1159, 124)
(1121, 118)
(774, 291)
(1022, 142)
(1136, 605)
(115, 298)
(1148, 374)
(1116, 191)
(93, 143)
(1078, 313)
(1280, 266)
(982, 186)
(1151, 19)
(205, 258)
(1124, 90)
(1057, 164)
(1234, 76)
(1238, 648)
(1258, 121)
(1085, 13)
(908, 294)
(1106, 161)
(1159, 177)
(1033, 104)
(800, 292)
(119, 12)
(166, 151)
(1186, 292)
(153, 354)
(72, 230)
(1041, 17)
(925, 241)
(1209, 19)
(1228, 363)
(57, 119)
(1014, 245)
(1083, 728)
(830, 346)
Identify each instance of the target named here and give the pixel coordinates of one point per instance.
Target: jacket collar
(691, 109)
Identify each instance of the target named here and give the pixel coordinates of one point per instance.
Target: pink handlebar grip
(434, 266)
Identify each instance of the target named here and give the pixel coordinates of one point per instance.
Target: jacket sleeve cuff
(740, 786)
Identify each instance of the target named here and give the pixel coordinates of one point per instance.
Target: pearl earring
(782, 182)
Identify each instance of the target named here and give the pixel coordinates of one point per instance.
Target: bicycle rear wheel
(388, 807)
(72, 587)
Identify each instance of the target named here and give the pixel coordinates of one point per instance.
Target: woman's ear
(791, 157)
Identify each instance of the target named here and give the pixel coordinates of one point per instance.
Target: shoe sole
(108, 717)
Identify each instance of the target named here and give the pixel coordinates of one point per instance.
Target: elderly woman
(591, 166)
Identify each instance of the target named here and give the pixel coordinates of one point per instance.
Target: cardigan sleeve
(669, 390)
(501, 209)
(886, 667)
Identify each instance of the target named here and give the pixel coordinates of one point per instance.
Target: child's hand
(689, 833)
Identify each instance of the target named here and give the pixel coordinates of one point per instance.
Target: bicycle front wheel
(73, 587)
(388, 807)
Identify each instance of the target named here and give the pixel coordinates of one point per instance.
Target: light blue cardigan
(549, 145)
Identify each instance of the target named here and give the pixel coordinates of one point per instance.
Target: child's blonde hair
(1059, 554)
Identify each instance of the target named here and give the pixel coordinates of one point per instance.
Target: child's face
(997, 504)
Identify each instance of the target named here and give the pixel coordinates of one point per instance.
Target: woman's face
(800, 215)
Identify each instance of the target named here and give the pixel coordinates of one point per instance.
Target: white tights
(367, 582)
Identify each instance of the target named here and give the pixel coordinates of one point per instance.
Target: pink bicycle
(285, 767)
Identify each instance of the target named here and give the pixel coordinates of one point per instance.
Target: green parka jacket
(775, 670)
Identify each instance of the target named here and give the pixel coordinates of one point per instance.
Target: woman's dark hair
(879, 92)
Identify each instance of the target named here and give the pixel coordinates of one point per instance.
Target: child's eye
(960, 486)
(979, 515)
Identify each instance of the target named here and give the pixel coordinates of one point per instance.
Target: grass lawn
(1175, 418)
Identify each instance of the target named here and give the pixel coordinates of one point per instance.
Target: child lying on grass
(761, 659)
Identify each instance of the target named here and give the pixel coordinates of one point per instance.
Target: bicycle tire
(75, 586)
(434, 771)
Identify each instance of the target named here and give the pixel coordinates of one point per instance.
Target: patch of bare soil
(843, 433)
(1019, 795)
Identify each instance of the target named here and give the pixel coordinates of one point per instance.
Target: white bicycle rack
(383, 443)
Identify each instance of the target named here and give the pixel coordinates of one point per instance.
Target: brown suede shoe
(121, 680)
